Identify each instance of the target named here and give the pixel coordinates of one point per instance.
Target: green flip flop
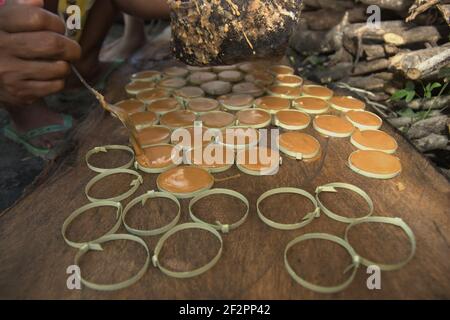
(25, 138)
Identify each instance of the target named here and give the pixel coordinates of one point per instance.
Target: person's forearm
(146, 9)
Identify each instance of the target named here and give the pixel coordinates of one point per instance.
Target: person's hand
(34, 53)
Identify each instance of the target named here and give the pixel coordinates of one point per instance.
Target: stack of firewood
(339, 43)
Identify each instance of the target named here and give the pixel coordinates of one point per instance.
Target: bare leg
(134, 38)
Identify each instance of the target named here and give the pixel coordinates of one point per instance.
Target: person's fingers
(32, 90)
(43, 70)
(27, 18)
(36, 3)
(43, 45)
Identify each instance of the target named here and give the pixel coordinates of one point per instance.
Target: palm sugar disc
(202, 105)
(220, 69)
(272, 104)
(231, 76)
(239, 137)
(248, 66)
(153, 135)
(213, 157)
(180, 72)
(198, 69)
(285, 92)
(255, 118)
(217, 119)
(375, 164)
(142, 120)
(135, 87)
(289, 80)
(364, 120)
(172, 83)
(346, 104)
(281, 70)
(320, 92)
(178, 119)
(149, 75)
(261, 78)
(258, 161)
(235, 102)
(216, 88)
(131, 106)
(299, 145)
(292, 120)
(374, 140)
(311, 105)
(159, 157)
(190, 92)
(185, 182)
(148, 96)
(199, 78)
(164, 106)
(248, 88)
(333, 126)
(192, 137)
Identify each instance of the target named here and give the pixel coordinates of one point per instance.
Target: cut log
(357, 33)
(370, 67)
(423, 128)
(432, 142)
(373, 51)
(430, 34)
(395, 5)
(370, 83)
(421, 64)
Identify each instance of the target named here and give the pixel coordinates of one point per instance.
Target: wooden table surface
(34, 257)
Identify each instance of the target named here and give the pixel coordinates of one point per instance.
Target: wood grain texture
(34, 257)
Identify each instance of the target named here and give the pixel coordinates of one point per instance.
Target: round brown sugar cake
(202, 105)
(254, 118)
(281, 70)
(289, 80)
(258, 161)
(272, 104)
(191, 137)
(131, 106)
(292, 119)
(375, 164)
(299, 145)
(135, 87)
(236, 102)
(178, 119)
(320, 92)
(311, 105)
(153, 135)
(248, 88)
(142, 120)
(285, 92)
(164, 106)
(333, 126)
(148, 96)
(184, 181)
(216, 88)
(217, 119)
(213, 157)
(364, 120)
(157, 157)
(374, 140)
(346, 104)
(148, 75)
(201, 77)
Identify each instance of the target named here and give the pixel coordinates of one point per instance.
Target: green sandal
(24, 139)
